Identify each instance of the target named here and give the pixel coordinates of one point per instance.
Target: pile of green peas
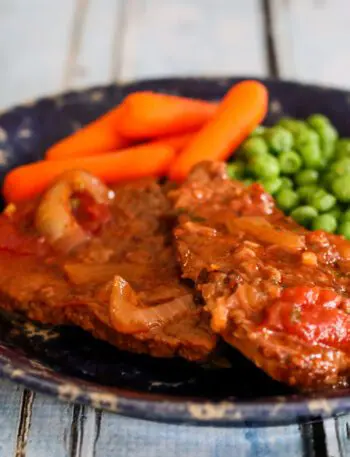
(305, 166)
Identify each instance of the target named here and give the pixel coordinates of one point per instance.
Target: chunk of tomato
(90, 215)
(316, 315)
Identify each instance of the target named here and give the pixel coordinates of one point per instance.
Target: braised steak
(128, 254)
(275, 291)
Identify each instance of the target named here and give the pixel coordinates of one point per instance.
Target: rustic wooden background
(48, 46)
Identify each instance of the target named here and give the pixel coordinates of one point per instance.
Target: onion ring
(54, 217)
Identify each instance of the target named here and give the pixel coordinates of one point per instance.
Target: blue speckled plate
(70, 364)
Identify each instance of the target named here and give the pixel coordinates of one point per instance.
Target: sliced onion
(128, 316)
(86, 273)
(261, 229)
(54, 217)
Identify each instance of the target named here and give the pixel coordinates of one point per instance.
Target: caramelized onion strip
(262, 230)
(54, 217)
(127, 316)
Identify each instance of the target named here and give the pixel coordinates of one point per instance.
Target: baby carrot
(178, 142)
(139, 161)
(241, 110)
(95, 138)
(150, 114)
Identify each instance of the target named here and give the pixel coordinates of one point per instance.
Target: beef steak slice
(275, 291)
(75, 288)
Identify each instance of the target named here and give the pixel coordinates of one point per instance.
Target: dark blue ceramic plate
(70, 364)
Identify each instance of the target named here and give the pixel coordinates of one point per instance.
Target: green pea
(290, 162)
(341, 166)
(287, 199)
(327, 179)
(342, 148)
(304, 215)
(285, 122)
(254, 146)
(328, 150)
(317, 121)
(341, 188)
(306, 177)
(306, 192)
(311, 155)
(327, 132)
(345, 217)
(271, 185)
(328, 137)
(265, 166)
(322, 201)
(286, 183)
(335, 212)
(279, 139)
(258, 131)
(235, 170)
(295, 126)
(325, 222)
(337, 168)
(306, 137)
(344, 229)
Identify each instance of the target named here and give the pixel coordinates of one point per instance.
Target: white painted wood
(100, 39)
(34, 36)
(10, 401)
(193, 37)
(312, 40)
(50, 429)
(88, 432)
(127, 437)
(342, 425)
(333, 447)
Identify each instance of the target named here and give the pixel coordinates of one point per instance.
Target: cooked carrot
(97, 137)
(178, 142)
(146, 160)
(149, 115)
(240, 111)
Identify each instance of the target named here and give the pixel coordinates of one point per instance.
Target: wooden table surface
(48, 46)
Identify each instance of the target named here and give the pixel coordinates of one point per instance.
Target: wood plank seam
(77, 431)
(24, 422)
(98, 421)
(78, 22)
(272, 62)
(84, 431)
(339, 432)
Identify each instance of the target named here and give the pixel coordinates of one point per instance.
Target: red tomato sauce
(314, 314)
